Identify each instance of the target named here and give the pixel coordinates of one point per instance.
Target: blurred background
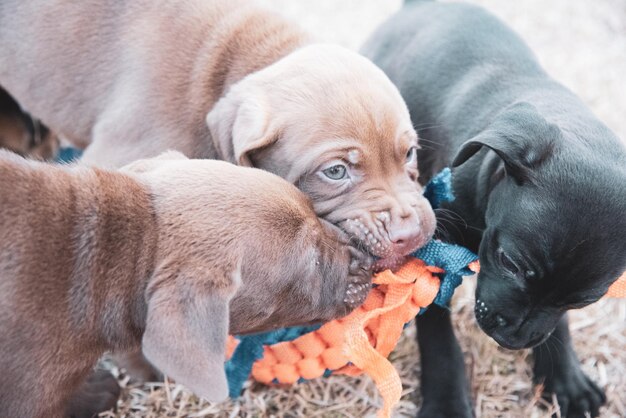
(581, 43)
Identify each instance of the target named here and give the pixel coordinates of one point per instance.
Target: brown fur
(223, 79)
(152, 257)
(131, 79)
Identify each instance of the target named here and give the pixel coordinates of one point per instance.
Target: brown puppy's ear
(186, 331)
(240, 126)
(145, 165)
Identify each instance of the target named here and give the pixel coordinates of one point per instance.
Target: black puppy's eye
(411, 155)
(507, 263)
(336, 172)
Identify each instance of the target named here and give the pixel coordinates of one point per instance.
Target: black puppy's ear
(506, 151)
(520, 136)
(186, 332)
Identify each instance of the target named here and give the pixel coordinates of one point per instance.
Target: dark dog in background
(541, 193)
(23, 134)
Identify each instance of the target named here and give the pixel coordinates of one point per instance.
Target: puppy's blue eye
(336, 172)
(411, 155)
(507, 263)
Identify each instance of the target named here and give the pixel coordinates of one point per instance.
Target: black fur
(540, 185)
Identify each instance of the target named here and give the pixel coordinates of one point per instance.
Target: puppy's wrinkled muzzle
(390, 236)
(359, 273)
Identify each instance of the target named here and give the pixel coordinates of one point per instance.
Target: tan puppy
(23, 134)
(130, 79)
(94, 261)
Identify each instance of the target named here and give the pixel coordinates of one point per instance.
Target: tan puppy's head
(330, 122)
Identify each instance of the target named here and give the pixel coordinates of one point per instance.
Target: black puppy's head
(555, 236)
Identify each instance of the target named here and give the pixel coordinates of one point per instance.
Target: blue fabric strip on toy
(68, 155)
(439, 189)
(250, 349)
(451, 258)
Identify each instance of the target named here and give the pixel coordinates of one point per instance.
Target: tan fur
(130, 79)
(223, 79)
(151, 257)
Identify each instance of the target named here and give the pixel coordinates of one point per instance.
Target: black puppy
(540, 186)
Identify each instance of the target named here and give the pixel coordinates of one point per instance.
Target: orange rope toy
(362, 341)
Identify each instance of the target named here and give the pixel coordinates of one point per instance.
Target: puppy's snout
(406, 233)
(487, 318)
(507, 331)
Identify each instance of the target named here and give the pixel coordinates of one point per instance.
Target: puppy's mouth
(390, 247)
(389, 263)
(518, 345)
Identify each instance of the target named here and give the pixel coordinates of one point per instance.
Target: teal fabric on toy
(68, 155)
(439, 189)
(250, 349)
(451, 258)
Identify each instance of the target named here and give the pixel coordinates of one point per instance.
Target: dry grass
(500, 378)
(583, 44)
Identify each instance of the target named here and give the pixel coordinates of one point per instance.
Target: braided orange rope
(361, 342)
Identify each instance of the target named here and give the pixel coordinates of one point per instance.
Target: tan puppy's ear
(240, 126)
(145, 165)
(186, 331)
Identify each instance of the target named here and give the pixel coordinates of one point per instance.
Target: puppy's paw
(360, 278)
(97, 394)
(577, 395)
(137, 366)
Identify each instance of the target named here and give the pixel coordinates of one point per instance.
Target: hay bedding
(500, 379)
(583, 44)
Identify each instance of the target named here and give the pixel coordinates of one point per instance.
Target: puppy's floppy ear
(145, 165)
(520, 136)
(240, 124)
(186, 331)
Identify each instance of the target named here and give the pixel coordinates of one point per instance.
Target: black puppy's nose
(486, 317)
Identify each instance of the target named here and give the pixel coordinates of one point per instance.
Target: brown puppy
(130, 79)
(94, 261)
(23, 134)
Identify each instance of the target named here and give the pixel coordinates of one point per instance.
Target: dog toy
(68, 155)
(360, 342)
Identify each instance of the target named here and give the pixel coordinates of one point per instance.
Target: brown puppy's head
(238, 250)
(330, 122)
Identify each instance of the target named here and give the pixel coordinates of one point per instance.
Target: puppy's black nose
(487, 318)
